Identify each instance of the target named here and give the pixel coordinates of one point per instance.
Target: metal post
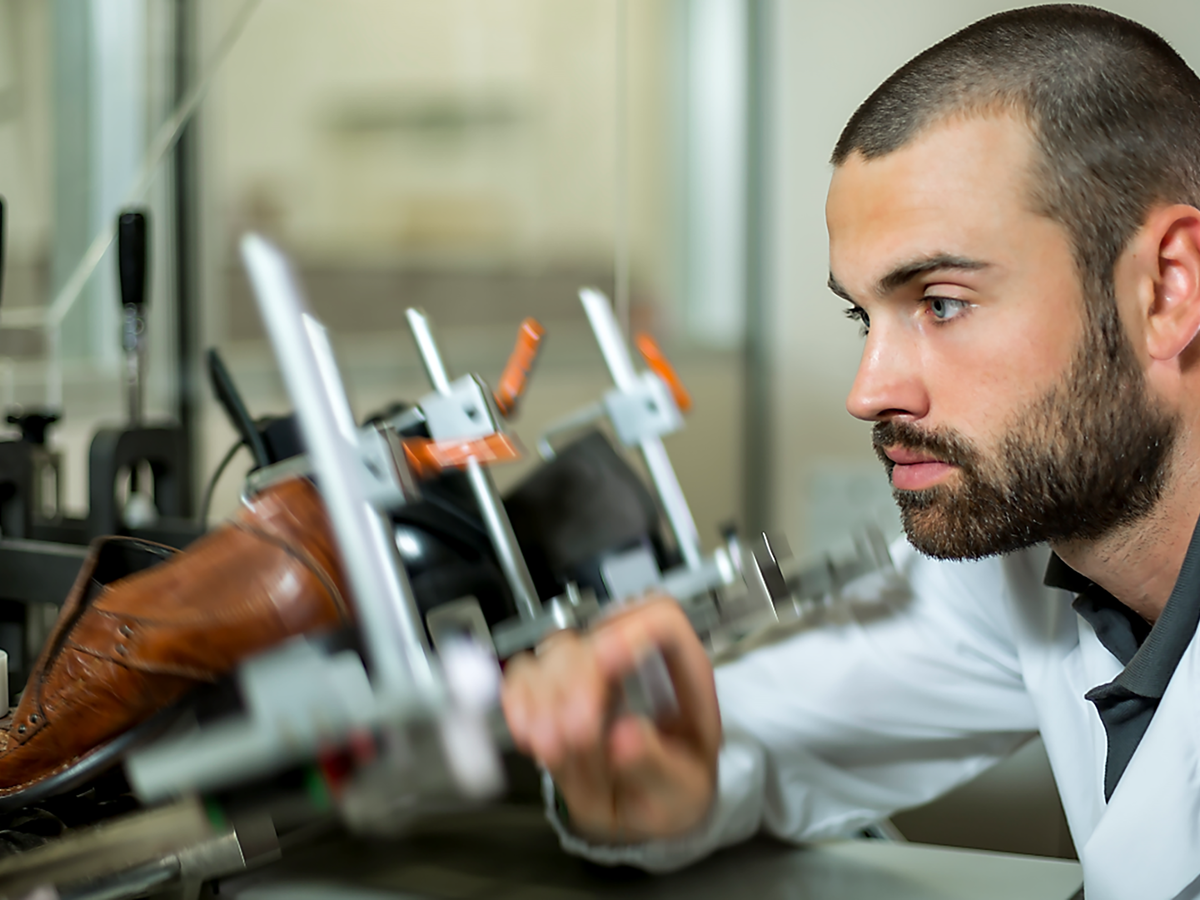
(756, 352)
(387, 609)
(662, 473)
(491, 507)
(187, 338)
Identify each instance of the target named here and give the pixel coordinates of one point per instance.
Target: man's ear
(1171, 257)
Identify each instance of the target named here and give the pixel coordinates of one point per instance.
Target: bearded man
(1013, 218)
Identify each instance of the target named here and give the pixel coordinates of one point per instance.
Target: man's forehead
(950, 192)
(989, 153)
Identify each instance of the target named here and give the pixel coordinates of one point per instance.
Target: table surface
(511, 852)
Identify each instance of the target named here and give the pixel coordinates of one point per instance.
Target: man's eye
(944, 309)
(859, 315)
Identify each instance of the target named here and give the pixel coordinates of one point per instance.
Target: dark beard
(1089, 457)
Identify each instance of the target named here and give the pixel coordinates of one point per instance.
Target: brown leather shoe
(125, 648)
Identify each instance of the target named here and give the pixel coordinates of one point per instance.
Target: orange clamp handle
(520, 363)
(428, 458)
(658, 364)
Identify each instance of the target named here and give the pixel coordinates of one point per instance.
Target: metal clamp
(465, 409)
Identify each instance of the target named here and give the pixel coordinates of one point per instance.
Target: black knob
(132, 247)
(33, 425)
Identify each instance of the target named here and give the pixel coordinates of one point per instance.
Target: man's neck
(1139, 563)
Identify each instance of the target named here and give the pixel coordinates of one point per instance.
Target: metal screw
(122, 649)
(21, 729)
(126, 630)
(33, 719)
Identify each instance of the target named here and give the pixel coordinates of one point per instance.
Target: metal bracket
(300, 699)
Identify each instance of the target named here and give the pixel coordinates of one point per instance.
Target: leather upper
(121, 651)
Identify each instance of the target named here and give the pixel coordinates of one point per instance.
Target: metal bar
(133, 381)
(608, 335)
(491, 507)
(504, 541)
(757, 350)
(108, 848)
(386, 607)
(187, 343)
(621, 153)
(662, 473)
(431, 357)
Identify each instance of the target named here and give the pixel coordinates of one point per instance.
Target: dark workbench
(510, 852)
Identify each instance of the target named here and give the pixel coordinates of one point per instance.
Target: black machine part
(33, 424)
(132, 264)
(579, 508)
(132, 258)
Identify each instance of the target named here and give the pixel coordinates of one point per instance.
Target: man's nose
(888, 383)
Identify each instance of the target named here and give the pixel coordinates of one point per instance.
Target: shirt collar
(1150, 655)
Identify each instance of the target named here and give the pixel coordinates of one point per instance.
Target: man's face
(1001, 419)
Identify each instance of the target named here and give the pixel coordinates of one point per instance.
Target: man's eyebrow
(906, 272)
(903, 274)
(836, 287)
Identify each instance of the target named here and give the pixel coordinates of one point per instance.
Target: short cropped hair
(1114, 111)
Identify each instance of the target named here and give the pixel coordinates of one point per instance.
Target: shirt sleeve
(902, 689)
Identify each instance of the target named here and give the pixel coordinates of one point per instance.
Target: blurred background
(482, 159)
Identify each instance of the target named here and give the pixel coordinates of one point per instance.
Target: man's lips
(914, 471)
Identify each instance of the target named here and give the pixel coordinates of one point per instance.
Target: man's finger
(662, 785)
(660, 625)
(557, 702)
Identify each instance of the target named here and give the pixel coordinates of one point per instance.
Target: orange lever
(516, 373)
(428, 458)
(658, 364)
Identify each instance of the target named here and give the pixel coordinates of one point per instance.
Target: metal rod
(491, 507)
(758, 350)
(431, 357)
(621, 253)
(504, 541)
(608, 335)
(616, 354)
(662, 473)
(133, 366)
(384, 600)
(185, 167)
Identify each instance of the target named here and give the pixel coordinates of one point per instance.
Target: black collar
(1150, 654)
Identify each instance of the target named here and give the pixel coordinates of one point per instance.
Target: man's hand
(623, 777)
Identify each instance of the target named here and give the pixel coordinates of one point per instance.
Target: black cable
(212, 482)
(227, 394)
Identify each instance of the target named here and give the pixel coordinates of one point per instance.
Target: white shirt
(915, 685)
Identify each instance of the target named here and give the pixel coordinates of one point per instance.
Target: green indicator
(315, 787)
(216, 815)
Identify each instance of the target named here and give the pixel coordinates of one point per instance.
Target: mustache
(946, 446)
